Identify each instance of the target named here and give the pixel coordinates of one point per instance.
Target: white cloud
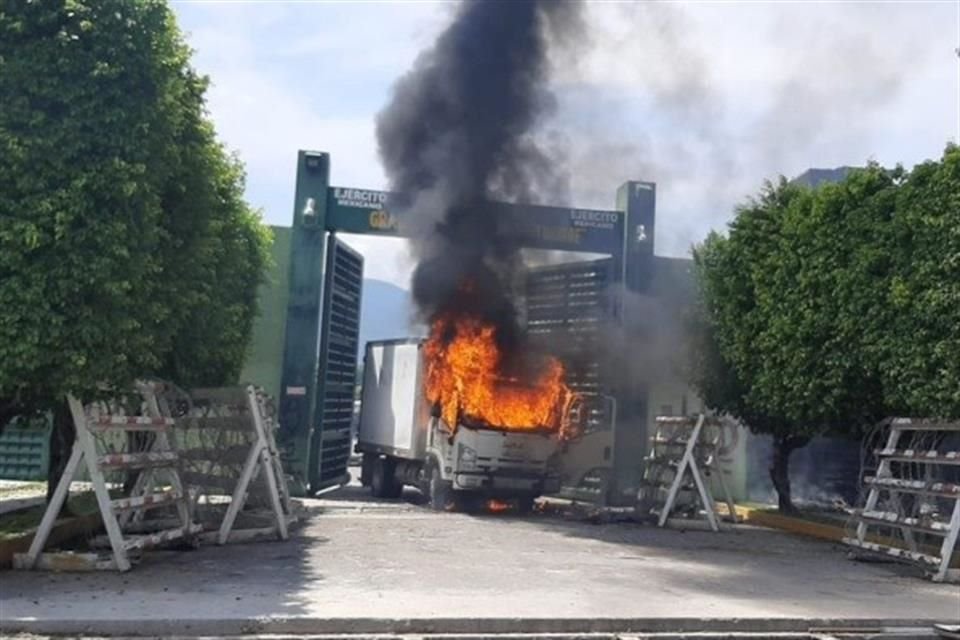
(276, 67)
(386, 259)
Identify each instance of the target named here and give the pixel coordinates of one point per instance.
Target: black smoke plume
(458, 133)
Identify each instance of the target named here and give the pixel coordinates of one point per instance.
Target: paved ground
(355, 558)
(16, 495)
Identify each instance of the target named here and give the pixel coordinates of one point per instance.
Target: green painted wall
(265, 355)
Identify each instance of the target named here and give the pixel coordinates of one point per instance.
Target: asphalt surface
(357, 565)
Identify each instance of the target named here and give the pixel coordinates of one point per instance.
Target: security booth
(575, 309)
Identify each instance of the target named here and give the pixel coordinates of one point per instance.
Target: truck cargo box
(394, 416)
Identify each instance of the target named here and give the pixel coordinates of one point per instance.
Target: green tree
(819, 289)
(223, 257)
(720, 382)
(126, 248)
(920, 304)
(791, 299)
(825, 309)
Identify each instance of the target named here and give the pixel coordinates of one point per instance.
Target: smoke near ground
(459, 132)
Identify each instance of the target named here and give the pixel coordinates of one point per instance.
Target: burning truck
(475, 411)
(452, 416)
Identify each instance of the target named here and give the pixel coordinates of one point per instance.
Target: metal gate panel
(569, 312)
(336, 374)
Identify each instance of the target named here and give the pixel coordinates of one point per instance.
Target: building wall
(265, 354)
(674, 397)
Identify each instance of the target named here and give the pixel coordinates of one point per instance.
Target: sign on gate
(590, 230)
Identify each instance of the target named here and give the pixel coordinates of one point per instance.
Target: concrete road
(355, 559)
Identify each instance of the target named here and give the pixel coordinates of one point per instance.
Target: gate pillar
(301, 338)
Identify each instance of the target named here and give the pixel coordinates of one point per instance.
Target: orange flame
(497, 506)
(464, 376)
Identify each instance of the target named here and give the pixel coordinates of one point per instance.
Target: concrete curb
(451, 626)
(63, 530)
(799, 526)
(820, 530)
(12, 505)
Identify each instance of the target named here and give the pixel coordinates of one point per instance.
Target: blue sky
(706, 99)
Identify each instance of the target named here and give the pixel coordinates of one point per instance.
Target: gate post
(299, 375)
(632, 389)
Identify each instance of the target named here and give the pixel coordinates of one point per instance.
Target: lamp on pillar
(638, 200)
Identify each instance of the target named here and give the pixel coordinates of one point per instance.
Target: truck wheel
(525, 505)
(366, 469)
(466, 502)
(381, 477)
(392, 488)
(440, 490)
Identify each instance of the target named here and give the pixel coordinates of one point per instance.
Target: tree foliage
(920, 343)
(712, 373)
(726, 383)
(126, 248)
(824, 309)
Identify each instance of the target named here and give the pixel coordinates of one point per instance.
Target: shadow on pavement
(237, 580)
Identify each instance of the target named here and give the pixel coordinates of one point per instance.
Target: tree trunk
(8, 411)
(62, 437)
(783, 446)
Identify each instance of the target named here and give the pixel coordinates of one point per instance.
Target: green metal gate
(570, 312)
(312, 418)
(337, 365)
